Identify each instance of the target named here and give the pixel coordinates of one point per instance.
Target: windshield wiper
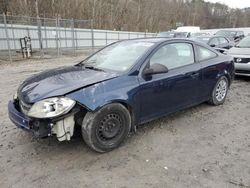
(92, 68)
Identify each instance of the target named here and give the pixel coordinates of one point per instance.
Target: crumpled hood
(59, 81)
(239, 51)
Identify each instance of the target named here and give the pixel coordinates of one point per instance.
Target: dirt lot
(203, 146)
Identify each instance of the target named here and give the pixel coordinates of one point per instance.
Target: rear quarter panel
(215, 68)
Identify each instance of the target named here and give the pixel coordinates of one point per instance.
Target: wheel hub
(109, 127)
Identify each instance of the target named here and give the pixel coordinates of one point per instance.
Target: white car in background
(189, 29)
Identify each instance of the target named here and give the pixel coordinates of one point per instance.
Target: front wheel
(220, 91)
(105, 129)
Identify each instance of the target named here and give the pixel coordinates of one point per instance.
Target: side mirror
(148, 71)
(156, 68)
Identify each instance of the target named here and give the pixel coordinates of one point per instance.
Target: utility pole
(194, 18)
(93, 12)
(5, 6)
(39, 28)
(7, 36)
(92, 26)
(111, 14)
(139, 14)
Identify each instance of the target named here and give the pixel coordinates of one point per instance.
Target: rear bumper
(40, 128)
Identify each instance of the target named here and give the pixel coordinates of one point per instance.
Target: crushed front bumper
(40, 128)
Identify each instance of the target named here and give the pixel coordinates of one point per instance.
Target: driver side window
(174, 55)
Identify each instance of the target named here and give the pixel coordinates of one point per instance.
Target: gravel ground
(203, 146)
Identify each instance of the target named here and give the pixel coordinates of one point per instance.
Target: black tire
(214, 96)
(105, 129)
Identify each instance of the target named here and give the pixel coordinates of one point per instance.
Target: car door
(178, 88)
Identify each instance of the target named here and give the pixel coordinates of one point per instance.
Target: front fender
(122, 89)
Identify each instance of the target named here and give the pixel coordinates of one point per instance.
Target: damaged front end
(62, 125)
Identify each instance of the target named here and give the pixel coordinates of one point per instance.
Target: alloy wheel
(221, 90)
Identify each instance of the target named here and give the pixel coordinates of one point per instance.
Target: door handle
(193, 74)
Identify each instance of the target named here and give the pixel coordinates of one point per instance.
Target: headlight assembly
(51, 107)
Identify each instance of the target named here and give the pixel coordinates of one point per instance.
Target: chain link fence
(53, 37)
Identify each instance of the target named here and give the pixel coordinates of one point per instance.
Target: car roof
(151, 39)
(158, 39)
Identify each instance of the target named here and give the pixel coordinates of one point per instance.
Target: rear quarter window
(205, 54)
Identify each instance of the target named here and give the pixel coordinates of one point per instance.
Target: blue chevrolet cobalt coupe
(121, 86)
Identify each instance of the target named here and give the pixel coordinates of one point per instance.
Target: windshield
(119, 56)
(244, 43)
(230, 34)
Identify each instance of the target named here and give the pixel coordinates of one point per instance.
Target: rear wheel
(107, 128)
(219, 92)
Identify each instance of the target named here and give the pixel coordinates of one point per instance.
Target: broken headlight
(51, 107)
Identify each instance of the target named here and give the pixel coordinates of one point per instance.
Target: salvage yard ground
(204, 146)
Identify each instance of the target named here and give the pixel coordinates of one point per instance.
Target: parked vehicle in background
(176, 34)
(173, 34)
(220, 43)
(189, 29)
(233, 35)
(199, 34)
(241, 54)
(123, 85)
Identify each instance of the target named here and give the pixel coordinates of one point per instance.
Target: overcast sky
(233, 3)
